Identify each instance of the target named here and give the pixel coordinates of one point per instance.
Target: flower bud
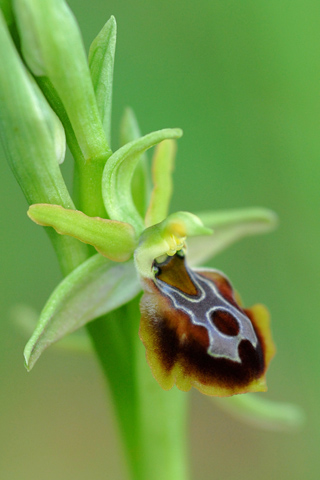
(52, 46)
(31, 134)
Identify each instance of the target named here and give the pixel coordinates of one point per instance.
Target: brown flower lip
(196, 334)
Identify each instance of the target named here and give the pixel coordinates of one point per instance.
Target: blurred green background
(243, 81)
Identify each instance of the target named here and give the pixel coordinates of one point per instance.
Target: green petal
(166, 238)
(52, 46)
(101, 61)
(140, 184)
(228, 227)
(114, 240)
(93, 289)
(162, 167)
(262, 413)
(117, 176)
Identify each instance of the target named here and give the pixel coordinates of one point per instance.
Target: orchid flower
(116, 238)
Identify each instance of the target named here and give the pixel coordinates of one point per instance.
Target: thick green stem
(152, 421)
(163, 425)
(112, 339)
(87, 187)
(88, 173)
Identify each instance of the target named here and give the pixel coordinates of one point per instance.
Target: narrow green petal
(101, 62)
(52, 46)
(166, 238)
(162, 168)
(93, 289)
(114, 240)
(117, 176)
(140, 184)
(228, 227)
(261, 412)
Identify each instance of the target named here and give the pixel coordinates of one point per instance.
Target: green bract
(32, 136)
(101, 60)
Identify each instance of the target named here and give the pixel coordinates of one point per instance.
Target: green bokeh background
(243, 81)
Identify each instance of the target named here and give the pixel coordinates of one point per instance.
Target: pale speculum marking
(207, 309)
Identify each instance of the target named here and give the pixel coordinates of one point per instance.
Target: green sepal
(140, 183)
(52, 46)
(228, 227)
(114, 240)
(101, 62)
(93, 289)
(162, 168)
(117, 176)
(166, 238)
(261, 412)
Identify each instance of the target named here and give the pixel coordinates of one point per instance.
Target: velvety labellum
(196, 334)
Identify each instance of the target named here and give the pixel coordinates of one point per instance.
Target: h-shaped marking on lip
(201, 307)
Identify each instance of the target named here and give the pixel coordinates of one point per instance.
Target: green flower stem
(112, 339)
(163, 425)
(152, 421)
(87, 187)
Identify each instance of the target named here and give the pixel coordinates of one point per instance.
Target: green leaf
(52, 46)
(261, 412)
(117, 176)
(228, 227)
(166, 238)
(93, 289)
(114, 240)
(140, 184)
(162, 167)
(101, 62)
